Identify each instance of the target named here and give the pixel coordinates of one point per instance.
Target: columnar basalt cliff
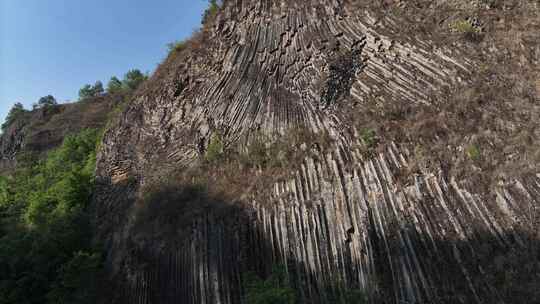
(362, 211)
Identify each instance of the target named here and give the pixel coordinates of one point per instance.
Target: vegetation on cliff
(46, 254)
(14, 113)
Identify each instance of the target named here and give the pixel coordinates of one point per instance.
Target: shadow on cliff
(481, 268)
(185, 244)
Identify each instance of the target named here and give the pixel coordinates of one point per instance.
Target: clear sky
(56, 46)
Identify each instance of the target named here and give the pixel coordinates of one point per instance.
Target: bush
(14, 113)
(176, 46)
(273, 290)
(215, 150)
(45, 101)
(88, 91)
(133, 79)
(78, 280)
(369, 137)
(473, 152)
(370, 141)
(97, 89)
(114, 86)
(467, 28)
(354, 296)
(463, 26)
(211, 11)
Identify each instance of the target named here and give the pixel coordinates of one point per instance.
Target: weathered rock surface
(40, 130)
(344, 220)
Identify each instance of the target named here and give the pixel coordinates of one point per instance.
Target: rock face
(343, 220)
(40, 130)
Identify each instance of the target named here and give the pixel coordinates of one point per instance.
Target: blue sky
(56, 46)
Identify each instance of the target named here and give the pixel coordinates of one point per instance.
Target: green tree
(45, 101)
(78, 280)
(97, 89)
(88, 91)
(114, 86)
(211, 11)
(13, 114)
(46, 254)
(85, 92)
(133, 79)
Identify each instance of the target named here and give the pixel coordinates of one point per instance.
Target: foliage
(370, 141)
(369, 137)
(85, 92)
(45, 250)
(88, 91)
(77, 281)
(176, 46)
(13, 114)
(215, 149)
(45, 101)
(467, 28)
(273, 290)
(352, 296)
(463, 26)
(211, 11)
(114, 86)
(98, 88)
(133, 79)
(473, 152)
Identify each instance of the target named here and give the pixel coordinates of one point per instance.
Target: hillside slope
(388, 148)
(38, 131)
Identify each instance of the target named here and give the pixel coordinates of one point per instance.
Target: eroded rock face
(344, 220)
(40, 130)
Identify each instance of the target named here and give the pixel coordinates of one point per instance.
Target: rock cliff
(419, 182)
(38, 131)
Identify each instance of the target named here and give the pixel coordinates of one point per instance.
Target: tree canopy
(88, 90)
(45, 238)
(45, 101)
(114, 86)
(133, 79)
(13, 114)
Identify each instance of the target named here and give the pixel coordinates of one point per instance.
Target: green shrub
(215, 150)
(466, 28)
(211, 11)
(463, 26)
(45, 101)
(88, 91)
(133, 79)
(354, 296)
(114, 86)
(78, 280)
(176, 46)
(273, 290)
(15, 112)
(473, 152)
(369, 137)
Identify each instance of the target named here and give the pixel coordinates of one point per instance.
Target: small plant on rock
(473, 152)
(470, 29)
(176, 46)
(215, 150)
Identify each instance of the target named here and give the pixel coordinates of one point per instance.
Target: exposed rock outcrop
(42, 129)
(345, 219)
